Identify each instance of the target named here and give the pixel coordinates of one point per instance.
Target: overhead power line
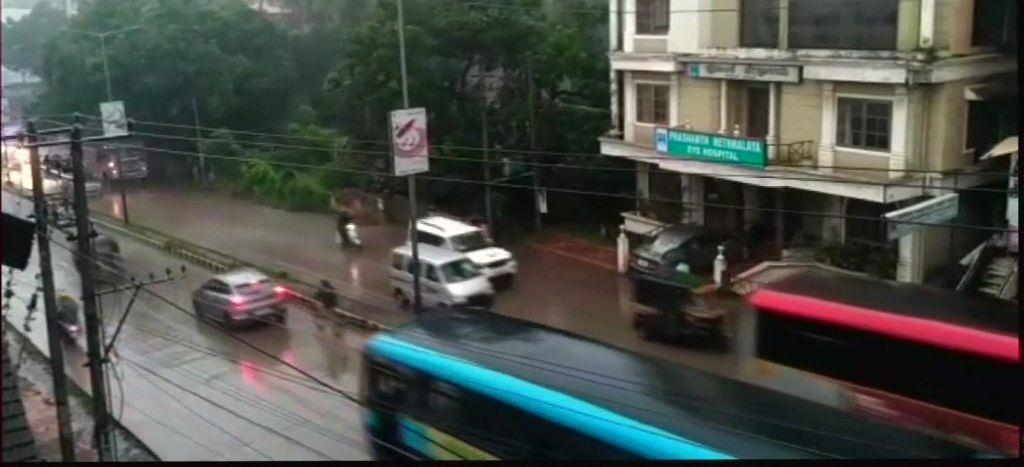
(768, 5)
(586, 192)
(498, 162)
(651, 159)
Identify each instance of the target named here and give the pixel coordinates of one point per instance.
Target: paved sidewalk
(597, 255)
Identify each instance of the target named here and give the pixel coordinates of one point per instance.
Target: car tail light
(280, 290)
(73, 329)
(237, 302)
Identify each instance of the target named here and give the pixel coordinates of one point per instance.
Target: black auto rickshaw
(106, 260)
(669, 310)
(67, 316)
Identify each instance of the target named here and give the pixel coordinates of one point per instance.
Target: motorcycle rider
(328, 300)
(343, 219)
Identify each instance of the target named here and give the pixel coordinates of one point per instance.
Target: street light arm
(116, 31)
(105, 33)
(96, 34)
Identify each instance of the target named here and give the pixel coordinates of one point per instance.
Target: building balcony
(796, 166)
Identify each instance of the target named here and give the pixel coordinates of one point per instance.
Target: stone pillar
(909, 265)
(900, 125)
(834, 228)
(719, 266)
(623, 250)
(751, 201)
(692, 189)
(773, 121)
(826, 149)
(723, 106)
(783, 24)
(643, 184)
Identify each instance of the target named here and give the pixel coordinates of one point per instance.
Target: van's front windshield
(470, 241)
(458, 271)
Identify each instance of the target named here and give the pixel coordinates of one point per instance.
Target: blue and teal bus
(475, 385)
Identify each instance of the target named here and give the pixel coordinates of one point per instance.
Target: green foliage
(25, 40)
(332, 72)
(233, 61)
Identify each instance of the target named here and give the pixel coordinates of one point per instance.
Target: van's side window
(398, 262)
(410, 266)
(432, 274)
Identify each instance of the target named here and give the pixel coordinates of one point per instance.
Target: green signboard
(711, 147)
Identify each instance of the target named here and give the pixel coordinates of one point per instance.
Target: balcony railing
(795, 153)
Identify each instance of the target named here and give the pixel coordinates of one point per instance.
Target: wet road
(550, 289)
(191, 392)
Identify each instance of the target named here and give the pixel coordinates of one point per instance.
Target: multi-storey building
(803, 122)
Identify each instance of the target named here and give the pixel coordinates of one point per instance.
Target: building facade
(863, 107)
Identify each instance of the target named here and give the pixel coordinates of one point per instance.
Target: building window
(652, 103)
(864, 124)
(842, 24)
(652, 17)
(759, 23)
(995, 23)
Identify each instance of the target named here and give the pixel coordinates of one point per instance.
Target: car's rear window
(253, 288)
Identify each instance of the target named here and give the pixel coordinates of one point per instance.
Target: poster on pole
(409, 147)
(115, 121)
(542, 201)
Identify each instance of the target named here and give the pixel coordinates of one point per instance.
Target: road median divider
(219, 262)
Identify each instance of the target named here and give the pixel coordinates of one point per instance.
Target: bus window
(443, 401)
(959, 381)
(387, 387)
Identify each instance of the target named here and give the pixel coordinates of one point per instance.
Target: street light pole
(110, 97)
(417, 297)
(106, 67)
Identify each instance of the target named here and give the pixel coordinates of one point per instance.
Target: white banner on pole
(542, 201)
(115, 121)
(409, 147)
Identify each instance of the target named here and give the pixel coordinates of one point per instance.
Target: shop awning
(1006, 146)
(990, 91)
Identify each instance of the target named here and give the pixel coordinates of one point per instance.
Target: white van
(457, 236)
(447, 278)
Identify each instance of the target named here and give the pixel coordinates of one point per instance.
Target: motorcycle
(67, 316)
(351, 236)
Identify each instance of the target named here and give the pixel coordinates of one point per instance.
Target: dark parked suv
(684, 248)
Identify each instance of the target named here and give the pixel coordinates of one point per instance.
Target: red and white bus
(924, 358)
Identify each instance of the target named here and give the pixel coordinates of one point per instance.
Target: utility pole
(199, 137)
(53, 331)
(85, 258)
(533, 144)
(487, 172)
(417, 302)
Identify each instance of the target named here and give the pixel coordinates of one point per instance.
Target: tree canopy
(25, 40)
(329, 70)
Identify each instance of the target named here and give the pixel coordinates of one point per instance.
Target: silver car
(239, 297)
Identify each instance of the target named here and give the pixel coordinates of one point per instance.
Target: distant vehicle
(931, 360)
(450, 234)
(447, 278)
(239, 297)
(132, 164)
(684, 248)
(458, 385)
(20, 177)
(64, 174)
